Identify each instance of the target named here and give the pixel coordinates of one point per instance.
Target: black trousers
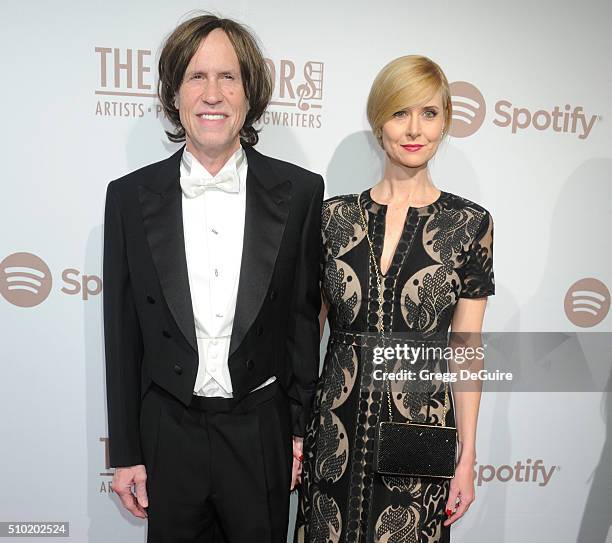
(218, 470)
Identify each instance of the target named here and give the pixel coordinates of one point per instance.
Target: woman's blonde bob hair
(406, 82)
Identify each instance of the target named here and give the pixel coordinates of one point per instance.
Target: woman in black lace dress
(431, 253)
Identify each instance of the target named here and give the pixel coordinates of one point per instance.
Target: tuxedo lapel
(162, 215)
(268, 199)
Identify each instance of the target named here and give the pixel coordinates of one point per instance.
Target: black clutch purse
(406, 448)
(415, 450)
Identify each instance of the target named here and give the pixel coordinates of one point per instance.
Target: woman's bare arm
(323, 314)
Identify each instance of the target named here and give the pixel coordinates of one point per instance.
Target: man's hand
(298, 456)
(122, 483)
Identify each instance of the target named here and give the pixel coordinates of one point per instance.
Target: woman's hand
(461, 491)
(298, 456)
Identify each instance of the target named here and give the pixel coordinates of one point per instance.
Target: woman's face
(411, 137)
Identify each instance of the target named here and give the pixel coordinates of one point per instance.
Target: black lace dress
(445, 253)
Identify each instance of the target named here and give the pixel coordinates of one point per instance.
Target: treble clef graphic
(311, 88)
(305, 92)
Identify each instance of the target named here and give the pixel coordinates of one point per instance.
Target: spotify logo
(587, 302)
(469, 109)
(527, 471)
(25, 279)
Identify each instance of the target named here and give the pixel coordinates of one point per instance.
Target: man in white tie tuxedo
(211, 302)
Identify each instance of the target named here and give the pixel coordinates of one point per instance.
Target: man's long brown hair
(180, 47)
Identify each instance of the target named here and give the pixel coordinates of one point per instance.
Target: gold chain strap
(380, 314)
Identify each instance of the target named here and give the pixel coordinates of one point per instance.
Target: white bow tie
(227, 181)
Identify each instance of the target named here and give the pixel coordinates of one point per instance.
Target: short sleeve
(325, 214)
(477, 279)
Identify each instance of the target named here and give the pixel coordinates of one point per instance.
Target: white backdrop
(77, 113)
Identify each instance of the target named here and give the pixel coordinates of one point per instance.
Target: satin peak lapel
(162, 214)
(268, 199)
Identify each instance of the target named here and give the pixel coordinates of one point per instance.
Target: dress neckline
(373, 205)
(413, 217)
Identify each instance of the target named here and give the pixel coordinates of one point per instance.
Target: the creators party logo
(297, 95)
(587, 302)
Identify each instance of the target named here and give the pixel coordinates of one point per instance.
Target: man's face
(211, 99)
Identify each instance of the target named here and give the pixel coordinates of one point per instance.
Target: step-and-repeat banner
(531, 142)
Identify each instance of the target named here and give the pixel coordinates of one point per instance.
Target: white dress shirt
(213, 225)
